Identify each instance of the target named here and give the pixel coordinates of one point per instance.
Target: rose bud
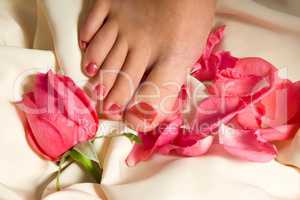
(57, 115)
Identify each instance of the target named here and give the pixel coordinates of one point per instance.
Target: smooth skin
(140, 51)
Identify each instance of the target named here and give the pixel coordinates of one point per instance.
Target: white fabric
(266, 28)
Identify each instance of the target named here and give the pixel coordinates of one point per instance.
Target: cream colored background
(36, 36)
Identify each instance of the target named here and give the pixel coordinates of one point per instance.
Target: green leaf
(88, 150)
(132, 137)
(89, 165)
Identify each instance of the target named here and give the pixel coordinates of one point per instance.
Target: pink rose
(265, 109)
(58, 115)
(248, 107)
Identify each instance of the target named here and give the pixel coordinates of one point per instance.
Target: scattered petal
(246, 144)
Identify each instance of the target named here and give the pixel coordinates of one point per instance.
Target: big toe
(155, 100)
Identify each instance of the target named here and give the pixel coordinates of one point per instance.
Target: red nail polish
(91, 69)
(100, 91)
(114, 109)
(82, 45)
(144, 111)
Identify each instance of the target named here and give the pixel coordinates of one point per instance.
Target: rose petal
(137, 154)
(244, 79)
(48, 143)
(250, 118)
(74, 103)
(214, 110)
(226, 60)
(213, 40)
(254, 66)
(275, 109)
(200, 147)
(279, 133)
(246, 144)
(182, 100)
(209, 63)
(80, 94)
(164, 134)
(281, 105)
(243, 86)
(33, 143)
(206, 69)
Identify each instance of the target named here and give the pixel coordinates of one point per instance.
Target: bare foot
(124, 40)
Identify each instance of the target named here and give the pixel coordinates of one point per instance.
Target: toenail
(82, 45)
(91, 69)
(144, 111)
(100, 91)
(114, 109)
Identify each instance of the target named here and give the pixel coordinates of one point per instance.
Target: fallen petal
(246, 144)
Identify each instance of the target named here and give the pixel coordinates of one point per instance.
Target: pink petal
(199, 148)
(181, 101)
(254, 66)
(206, 70)
(215, 110)
(246, 144)
(244, 86)
(34, 144)
(209, 63)
(279, 133)
(247, 77)
(152, 141)
(213, 40)
(274, 110)
(281, 105)
(137, 154)
(250, 118)
(167, 132)
(226, 60)
(27, 105)
(81, 95)
(45, 139)
(72, 99)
